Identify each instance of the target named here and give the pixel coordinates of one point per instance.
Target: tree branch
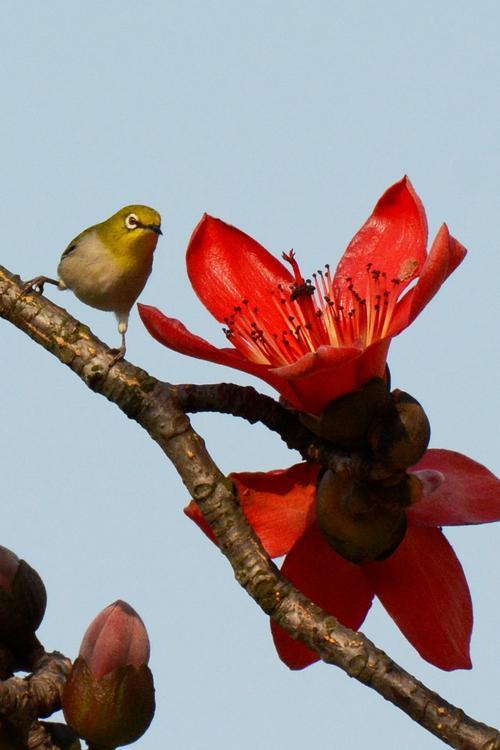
(246, 402)
(22, 701)
(155, 406)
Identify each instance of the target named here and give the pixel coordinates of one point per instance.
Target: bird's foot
(37, 285)
(118, 355)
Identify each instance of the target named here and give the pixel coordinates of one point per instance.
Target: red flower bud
(108, 698)
(116, 638)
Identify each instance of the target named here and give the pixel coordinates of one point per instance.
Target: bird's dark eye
(131, 221)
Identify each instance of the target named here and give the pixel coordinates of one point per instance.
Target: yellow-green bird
(108, 264)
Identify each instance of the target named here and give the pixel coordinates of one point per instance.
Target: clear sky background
(289, 120)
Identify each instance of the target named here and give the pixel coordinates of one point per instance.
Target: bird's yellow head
(132, 231)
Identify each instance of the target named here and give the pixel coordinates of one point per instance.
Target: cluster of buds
(108, 698)
(363, 517)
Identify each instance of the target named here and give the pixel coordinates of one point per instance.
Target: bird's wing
(69, 250)
(77, 242)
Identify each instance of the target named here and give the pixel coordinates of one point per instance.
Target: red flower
(421, 585)
(313, 341)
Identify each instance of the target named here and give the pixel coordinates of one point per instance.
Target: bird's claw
(118, 355)
(37, 284)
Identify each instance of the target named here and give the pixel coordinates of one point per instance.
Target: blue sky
(289, 120)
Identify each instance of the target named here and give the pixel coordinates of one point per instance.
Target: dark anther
(302, 290)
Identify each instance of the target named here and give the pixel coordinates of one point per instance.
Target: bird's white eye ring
(131, 221)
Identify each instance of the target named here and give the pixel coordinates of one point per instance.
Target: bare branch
(154, 405)
(246, 402)
(23, 700)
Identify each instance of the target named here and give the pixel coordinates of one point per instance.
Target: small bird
(108, 264)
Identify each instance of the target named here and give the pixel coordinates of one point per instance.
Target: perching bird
(107, 265)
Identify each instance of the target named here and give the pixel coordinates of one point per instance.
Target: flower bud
(9, 563)
(400, 439)
(345, 421)
(361, 521)
(22, 605)
(108, 698)
(117, 637)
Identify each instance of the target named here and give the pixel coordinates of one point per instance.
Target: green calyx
(111, 712)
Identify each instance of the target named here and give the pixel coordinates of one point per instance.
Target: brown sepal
(114, 711)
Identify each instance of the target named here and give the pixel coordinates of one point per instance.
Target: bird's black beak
(155, 228)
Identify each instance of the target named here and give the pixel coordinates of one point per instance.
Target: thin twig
(247, 403)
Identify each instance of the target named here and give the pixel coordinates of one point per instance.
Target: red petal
(279, 504)
(446, 254)
(319, 378)
(193, 512)
(470, 493)
(392, 239)
(174, 334)
(324, 358)
(334, 584)
(226, 266)
(423, 588)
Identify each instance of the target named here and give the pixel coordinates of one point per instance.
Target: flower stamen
(310, 315)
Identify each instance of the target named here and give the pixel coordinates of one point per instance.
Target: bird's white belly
(96, 277)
